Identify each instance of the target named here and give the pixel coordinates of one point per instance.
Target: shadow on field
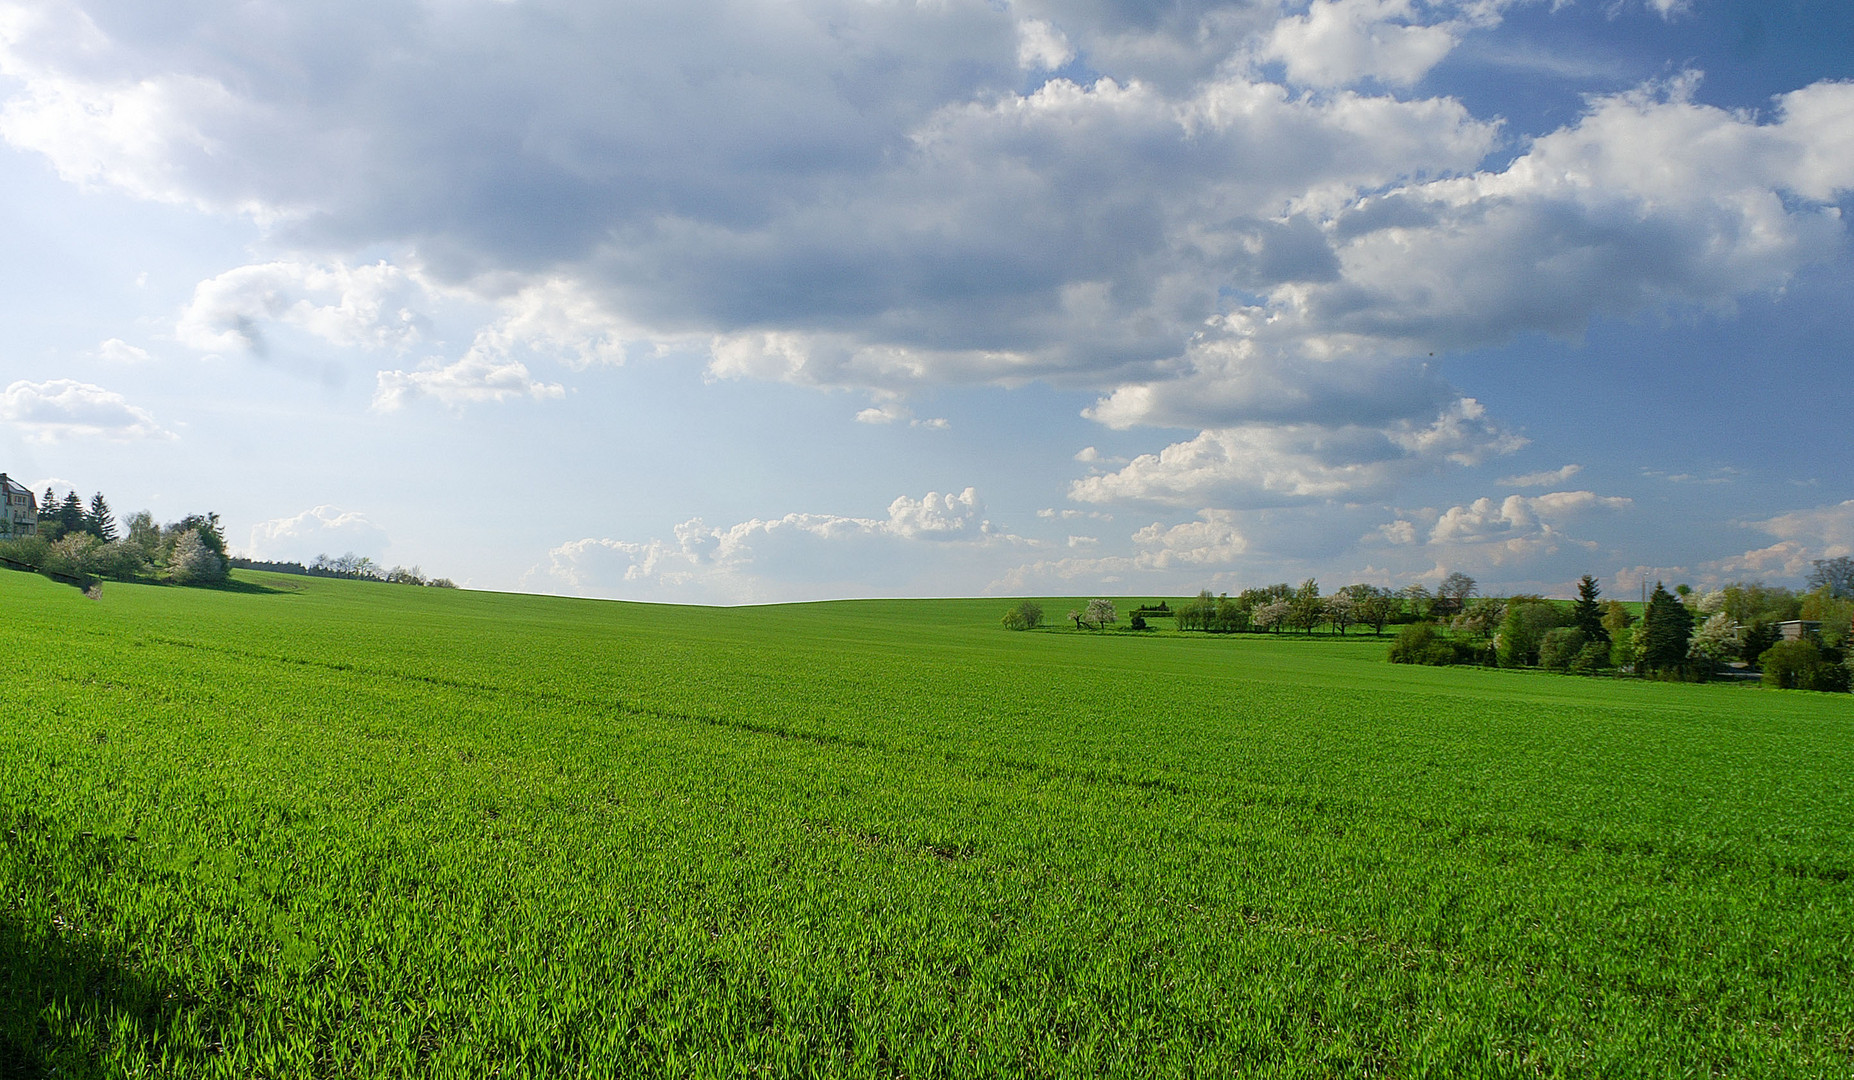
(62, 1000)
(236, 586)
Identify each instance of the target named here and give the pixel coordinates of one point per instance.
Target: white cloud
(557, 316)
(61, 409)
(475, 379)
(367, 306)
(761, 560)
(1212, 540)
(1824, 531)
(322, 530)
(1338, 42)
(1786, 558)
(938, 517)
(1042, 47)
(1519, 527)
(891, 411)
(1259, 465)
(875, 196)
(118, 351)
(1543, 479)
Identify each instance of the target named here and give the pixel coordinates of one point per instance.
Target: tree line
(84, 542)
(1679, 634)
(1682, 634)
(350, 567)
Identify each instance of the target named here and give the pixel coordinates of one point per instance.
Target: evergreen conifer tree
(1588, 613)
(71, 513)
(1667, 629)
(98, 520)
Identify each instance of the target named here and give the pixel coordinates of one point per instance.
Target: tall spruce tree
(1668, 629)
(1588, 613)
(99, 521)
(71, 513)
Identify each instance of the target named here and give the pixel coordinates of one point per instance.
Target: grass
(323, 828)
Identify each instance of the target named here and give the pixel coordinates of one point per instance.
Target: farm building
(19, 513)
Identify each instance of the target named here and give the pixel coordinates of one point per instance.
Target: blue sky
(750, 302)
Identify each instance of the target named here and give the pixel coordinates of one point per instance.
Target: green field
(324, 828)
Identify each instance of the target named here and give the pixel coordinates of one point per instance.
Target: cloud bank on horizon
(1260, 244)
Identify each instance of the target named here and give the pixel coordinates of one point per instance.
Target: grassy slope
(384, 830)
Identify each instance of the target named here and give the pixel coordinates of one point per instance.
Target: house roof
(12, 487)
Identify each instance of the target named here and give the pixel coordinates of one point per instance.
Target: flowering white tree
(193, 562)
(1099, 613)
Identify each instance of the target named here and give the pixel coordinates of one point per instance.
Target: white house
(19, 513)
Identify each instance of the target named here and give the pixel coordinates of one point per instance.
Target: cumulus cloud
(1262, 465)
(1339, 42)
(61, 409)
(1208, 546)
(341, 305)
(883, 196)
(1824, 531)
(472, 380)
(892, 411)
(118, 351)
(1543, 479)
(1518, 527)
(761, 560)
(1786, 558)
(320, 530)
(1042, 47)
(1212, 540)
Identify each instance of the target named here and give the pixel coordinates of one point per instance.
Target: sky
(743, 301)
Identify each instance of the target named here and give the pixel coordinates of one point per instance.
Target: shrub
(1423, 643)
(74, 556)
(1800, 665)
(1592, 658)
(1561, 647)
(1024, 615)
(25, 550)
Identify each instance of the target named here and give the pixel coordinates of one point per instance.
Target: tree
(1588, 615)
(1099, 613)
(1307, 607)
(1452, 595)
(193, 562)
(1616, 619)
(1836, 575)
(1667, 627)
(1715, 643)
(1373, 606)
(98, 521)
(1482, 618)
(1561, 647)
(1024, 615)
(1342, 609)
(70, 513)
(1194, 614)
(1271, 616)
(74, 555)
(1522, 632)
(1836, 617)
